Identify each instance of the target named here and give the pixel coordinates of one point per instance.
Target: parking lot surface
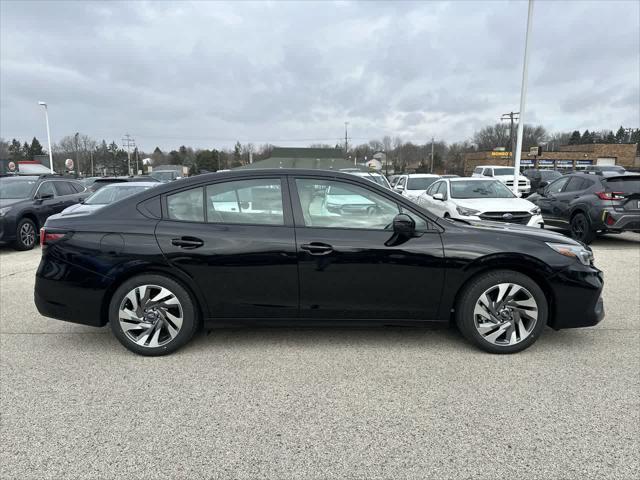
(320, 403)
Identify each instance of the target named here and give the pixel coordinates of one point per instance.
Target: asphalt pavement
(295, 403)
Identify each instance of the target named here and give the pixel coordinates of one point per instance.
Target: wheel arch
(532, 267)
(187, 284)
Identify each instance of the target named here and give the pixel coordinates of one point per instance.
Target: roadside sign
(500, 154)
(535, 151)
(11, 166)
(69, 164)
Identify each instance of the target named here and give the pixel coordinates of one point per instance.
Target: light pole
(46, 116)
(523, 96)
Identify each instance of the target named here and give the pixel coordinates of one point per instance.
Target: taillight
(49, 237)
(610, 195)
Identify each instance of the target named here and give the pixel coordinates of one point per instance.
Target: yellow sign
(500, 154)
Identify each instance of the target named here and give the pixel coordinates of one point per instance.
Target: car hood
(541, 234)
(5, 202)
(79, 209)
(495, 204)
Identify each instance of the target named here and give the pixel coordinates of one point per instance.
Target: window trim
(286, 206)
(298, 217)
(55, 192)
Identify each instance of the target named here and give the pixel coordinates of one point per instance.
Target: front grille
(516, 217)
(521, 183)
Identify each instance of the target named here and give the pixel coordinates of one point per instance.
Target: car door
(439, 207)
(67, 195)
(548, 201)
(235, 240)
(566, 197)
(46, 201)
(401, 185)
(348, 266)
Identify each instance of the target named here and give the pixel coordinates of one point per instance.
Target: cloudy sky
(291, 73)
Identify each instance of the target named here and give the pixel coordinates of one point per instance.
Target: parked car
(393, 179)
(156, 273)
(165, 176)
(27, 201)
(605, 169)
(537, 176)
(449, 176)
(587, 204)
(479, 199)
(94, 184)
(415, 184)
(505, 175)
(373, 176)
(106, 196)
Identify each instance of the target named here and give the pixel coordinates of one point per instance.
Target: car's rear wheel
(152, 315)
(581, 228)
(25, 234)
(502, 311)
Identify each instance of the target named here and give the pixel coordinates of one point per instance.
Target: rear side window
(575, 185)
(78, 187)
(65, 188)
(186, 206)
(252, 202)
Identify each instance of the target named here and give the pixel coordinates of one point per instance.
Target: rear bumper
(578, 300)
(618, 220)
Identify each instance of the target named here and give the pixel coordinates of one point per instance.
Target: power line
(128, 141)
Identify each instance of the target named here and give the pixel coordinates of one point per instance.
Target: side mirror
(44, 196)
(438, 196)
(398, 188)
(404, 225)
(543, 184)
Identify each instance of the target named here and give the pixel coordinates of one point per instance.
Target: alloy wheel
(578, 227)
(27, 234)
(150, 316)
(505, 314)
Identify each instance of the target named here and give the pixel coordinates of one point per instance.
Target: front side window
(575, 184)
(46, 189)
(556, 187)
(332, 204)
(257, 202)
(477, 170)
(186, 206)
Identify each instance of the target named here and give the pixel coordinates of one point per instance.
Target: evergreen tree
(237, 154)
(15, 152)
(26, 151)
(575, 138)
(621, 135)
(35, 148)
(587, 137)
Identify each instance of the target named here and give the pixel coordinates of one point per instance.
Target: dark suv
(27, 201)
(588, 204)
(537, 176)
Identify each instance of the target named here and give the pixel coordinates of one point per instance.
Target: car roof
(422, 175)
(472, 179)
(131, 184)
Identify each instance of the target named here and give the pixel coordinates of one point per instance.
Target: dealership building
(569, 157)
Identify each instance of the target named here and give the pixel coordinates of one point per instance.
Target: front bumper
(577, 297)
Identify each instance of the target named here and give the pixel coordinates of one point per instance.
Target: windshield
(480, 189)
(163, 176)
(113, 193)
(420, 183)
(503, 171)
(16, 187)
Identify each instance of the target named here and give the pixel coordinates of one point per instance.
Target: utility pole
(128, 141)
(432, 154)
(75, 137)
(630, 132)
(512, 117)
(346, 142)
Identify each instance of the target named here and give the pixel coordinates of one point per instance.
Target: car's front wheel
(152, 315)
(502, 311)
(581, 228)
(25, 234)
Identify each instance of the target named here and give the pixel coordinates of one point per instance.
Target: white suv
(479, 199)
(414, 184)
(504, 174)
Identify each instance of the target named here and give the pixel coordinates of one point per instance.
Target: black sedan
(264, 246)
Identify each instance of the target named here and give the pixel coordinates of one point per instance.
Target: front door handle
(187, 242)
(317, 248)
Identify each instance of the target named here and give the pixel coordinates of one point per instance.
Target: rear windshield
(623, 184)
(113, 193)
(420, 183)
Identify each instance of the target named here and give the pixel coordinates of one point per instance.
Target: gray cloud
(206, 74)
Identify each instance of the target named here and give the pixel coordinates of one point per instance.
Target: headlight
(582, 254)
(4, 211)
(467, 212)
(535, 211)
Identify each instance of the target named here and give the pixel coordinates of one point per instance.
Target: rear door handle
(317, 248)
(187, 242)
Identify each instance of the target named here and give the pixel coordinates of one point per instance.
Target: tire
(168, 322)
(581, 228)
(25, 235)
(513, 329)
(446, 215)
